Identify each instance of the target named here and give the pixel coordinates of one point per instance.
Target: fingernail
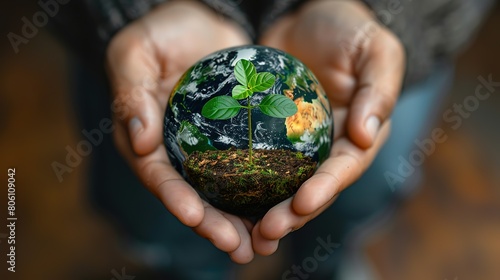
(372, 126)
(135, 127)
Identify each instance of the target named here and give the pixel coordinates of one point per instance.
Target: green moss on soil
(229, 182)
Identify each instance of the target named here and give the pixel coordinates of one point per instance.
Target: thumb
(134, 74)
(141, 115)
(380, 72)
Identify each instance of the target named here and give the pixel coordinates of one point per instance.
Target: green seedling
(250, 82)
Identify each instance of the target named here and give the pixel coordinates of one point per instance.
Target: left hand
(360, 65)
(145, 60)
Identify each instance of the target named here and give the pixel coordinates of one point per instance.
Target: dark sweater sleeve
(88, 25)
(430, 30)
(112, 15)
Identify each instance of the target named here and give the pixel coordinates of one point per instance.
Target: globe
(246, 126)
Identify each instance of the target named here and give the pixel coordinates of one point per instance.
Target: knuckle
(123, 46)
(384, 96)
(394, 46)
(387, 97)
(390, 45)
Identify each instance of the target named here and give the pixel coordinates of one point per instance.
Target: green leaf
(278, 106)
(221, 108)
(244, 70)
(241, 92)
(261, 81)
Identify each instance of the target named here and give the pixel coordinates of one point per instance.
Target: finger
(339, 122)
(218, 229)
(134, 74)
(248, 224)
(339, 85)
(122, 141)
(346, 164)
(161, 179)
(380, 70)
(244, 254)
(316, 194)
(158, 175)
(280, 221)
(262, 245)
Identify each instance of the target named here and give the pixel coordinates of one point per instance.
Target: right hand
(145, 60)
(362, 82)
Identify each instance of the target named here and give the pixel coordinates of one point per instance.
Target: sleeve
(430, 30)
(112, 15)
(88, 25)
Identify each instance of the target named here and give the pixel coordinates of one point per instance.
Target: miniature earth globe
(246, 126)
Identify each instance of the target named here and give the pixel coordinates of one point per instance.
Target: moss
(280, 187)
(301, 171)
(244, 189)
(299, 155)
(213, 156)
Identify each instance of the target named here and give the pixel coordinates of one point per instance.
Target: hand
(360, 65)
(145, 60)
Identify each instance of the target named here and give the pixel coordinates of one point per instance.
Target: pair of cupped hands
(359, 63)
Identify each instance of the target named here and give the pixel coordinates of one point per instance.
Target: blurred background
(449, 229)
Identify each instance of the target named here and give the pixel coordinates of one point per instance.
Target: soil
(231, 183)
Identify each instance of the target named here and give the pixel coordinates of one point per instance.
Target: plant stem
(250, 144)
